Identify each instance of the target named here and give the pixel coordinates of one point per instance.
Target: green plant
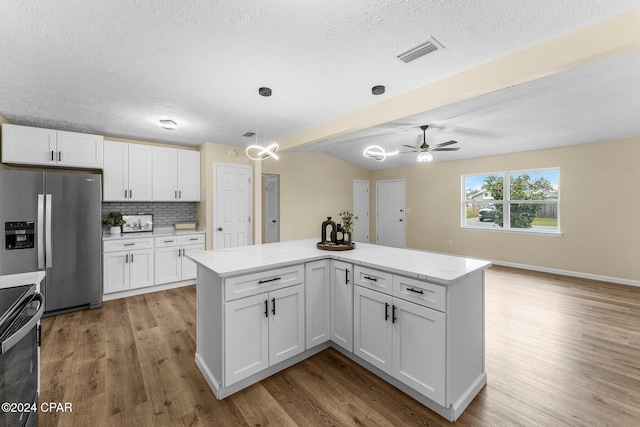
(114, 219)
(522, 187)
(347, 221)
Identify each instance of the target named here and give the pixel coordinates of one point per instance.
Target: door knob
(219, 228)
(273, 221)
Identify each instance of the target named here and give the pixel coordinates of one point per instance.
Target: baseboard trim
(569, 273)
(147, 290)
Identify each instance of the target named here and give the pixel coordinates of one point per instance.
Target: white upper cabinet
(127, 171)
(176, 175)
(47, 147)
(189, 175)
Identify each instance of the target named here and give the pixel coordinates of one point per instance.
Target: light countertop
(11, 280)
(439, 268)
(160, 232)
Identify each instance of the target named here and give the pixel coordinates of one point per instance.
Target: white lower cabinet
(262, 330)
(128, 264)
(403, 338)
(342, 304)
(372, 327)
(419, 351)
(318, 302)
(171, 262)
(141, 262)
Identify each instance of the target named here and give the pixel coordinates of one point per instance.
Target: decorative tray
(329, 246)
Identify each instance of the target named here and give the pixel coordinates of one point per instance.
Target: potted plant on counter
(114, 221)
(347, 225)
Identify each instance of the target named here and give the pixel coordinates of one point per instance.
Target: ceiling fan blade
(409, 146)
(445, 149)
(408, 152)
(444, 144)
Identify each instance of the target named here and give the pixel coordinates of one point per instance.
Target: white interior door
(360, 211)
(390, 213)
(271, 209)
(232, 206)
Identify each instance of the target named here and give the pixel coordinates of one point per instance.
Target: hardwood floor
(559, 351)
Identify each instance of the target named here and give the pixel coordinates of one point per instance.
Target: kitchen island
(414, 318)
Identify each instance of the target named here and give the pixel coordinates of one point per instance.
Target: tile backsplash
(165, 214)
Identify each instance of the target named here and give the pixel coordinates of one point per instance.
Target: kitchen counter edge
(161, 232)
(253, 264)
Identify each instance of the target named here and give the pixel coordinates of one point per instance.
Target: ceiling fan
(423, 150)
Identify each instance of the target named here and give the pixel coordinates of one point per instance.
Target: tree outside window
(529, 202)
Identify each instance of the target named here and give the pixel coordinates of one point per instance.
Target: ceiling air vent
(248, 134)
(421, 50)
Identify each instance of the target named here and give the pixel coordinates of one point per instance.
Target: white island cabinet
(414, 318)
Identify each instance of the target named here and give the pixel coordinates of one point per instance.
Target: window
(526, 201)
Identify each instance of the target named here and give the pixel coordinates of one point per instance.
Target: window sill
(514, 231)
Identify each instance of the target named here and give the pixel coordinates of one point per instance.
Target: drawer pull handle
(273, 310)
(393, 314)
(373, 279)
(386, 311)
(195, 238)
(266, 308)
(168, 241)
(269, 280)
(129, 244)
(418, 291)
(346, 277)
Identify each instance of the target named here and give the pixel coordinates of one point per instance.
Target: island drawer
(127, 245)
(376, 280)
(264, 281)
(423, 293)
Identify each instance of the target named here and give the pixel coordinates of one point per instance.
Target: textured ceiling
(116, 67)
(593, 103)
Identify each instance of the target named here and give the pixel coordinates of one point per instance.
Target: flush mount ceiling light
(259, 152)
(168, 124)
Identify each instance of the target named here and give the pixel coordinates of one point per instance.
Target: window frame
(506, 202)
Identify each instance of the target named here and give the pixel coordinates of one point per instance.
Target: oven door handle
(24, 330)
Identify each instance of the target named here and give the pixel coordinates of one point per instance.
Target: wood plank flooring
(559, 351)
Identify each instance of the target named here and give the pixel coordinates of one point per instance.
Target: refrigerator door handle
(40, 231)
(48, 245)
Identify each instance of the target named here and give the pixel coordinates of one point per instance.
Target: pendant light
(376, 152)
(258, 152)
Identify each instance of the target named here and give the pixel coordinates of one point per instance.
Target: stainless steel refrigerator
(52, 222)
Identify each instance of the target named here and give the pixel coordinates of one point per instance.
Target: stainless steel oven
(21, 308)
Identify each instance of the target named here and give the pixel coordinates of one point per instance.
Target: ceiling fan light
(424, 156)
